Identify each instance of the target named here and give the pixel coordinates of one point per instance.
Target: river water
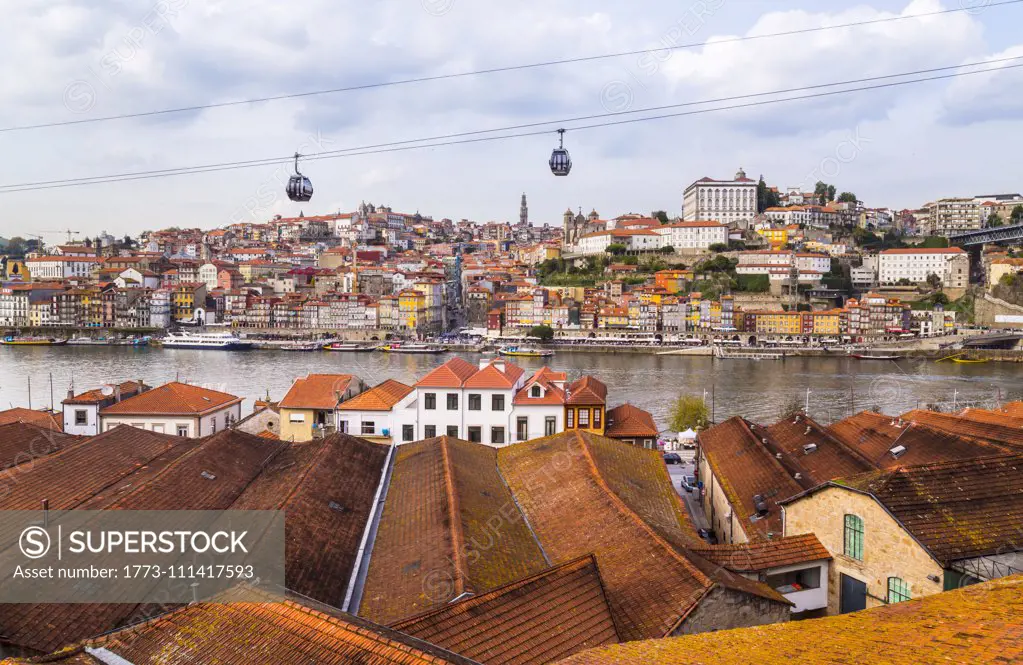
(759, 390)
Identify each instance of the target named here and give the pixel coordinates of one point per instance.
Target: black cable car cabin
(300, 188)
(561, 162)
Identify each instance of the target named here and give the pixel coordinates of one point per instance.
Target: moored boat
(209, 341)
(32, 341)
(525, 352)
(346, 346)
(399, 347)
(863, 356)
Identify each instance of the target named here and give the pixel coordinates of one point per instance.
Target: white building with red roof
(179, 409)
(733, 202)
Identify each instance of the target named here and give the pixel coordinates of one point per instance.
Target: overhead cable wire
(511, 68)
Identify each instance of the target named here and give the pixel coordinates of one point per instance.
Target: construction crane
(69, 233)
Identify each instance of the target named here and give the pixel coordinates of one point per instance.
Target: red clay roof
(627, 421)
(574, 511)
(38, 418)
(804, 447)
(550, 381)
(379, 398)
(317, 391)
(438, 537)
(96, 395)
(587, 390)
(493, 377)
(451, 374)
(21, 442)
(273, 632)
(535, 620)
(977, 624)
(745, 468)
(755, 557)
(172, 399)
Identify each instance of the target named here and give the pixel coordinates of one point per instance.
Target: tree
(688, 412)
(791, 407)
(616, 248)
(718, 247)
(994, 220)
(1017, 215)
(824, 193)
(847, 197)
(543, 333)
(667, 249)
(933, 281)
(16, 247)
(660, 216)
(934, 242)
(766, 197)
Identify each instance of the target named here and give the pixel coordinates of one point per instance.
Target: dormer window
(535, 391)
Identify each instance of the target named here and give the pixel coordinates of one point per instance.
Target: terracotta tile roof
(755, 557)
(172, 399)
(95, 396)
(493, 377)
(745, 468)
(327, 489)
(380, 398)
(573, 511)
(451, 374)
(808, 449)
(535, 620)
(274, 632)
(874, 435)
(21, 442)
(550, 381)
(316, 391)
(977, 624)
(993, 417)
(449, 525)
(42, 419)
(1014, 409)
(587, 390)
(1001, 434)
(627, 421)
(957, 510)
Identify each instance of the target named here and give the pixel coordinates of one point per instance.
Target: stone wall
(724, 609)
(888, 549)
(986, 310)
(717, 508)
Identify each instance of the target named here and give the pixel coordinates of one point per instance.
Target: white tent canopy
(688, 435)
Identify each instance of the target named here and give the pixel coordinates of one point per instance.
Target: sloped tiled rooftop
(978, 625)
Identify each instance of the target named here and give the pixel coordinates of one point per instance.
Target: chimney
(117, 393)
(70, 394)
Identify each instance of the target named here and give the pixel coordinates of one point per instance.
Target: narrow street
(691, 499)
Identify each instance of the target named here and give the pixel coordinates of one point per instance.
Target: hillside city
(743, 257)
(588, 376)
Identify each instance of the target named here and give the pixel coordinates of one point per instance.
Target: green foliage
(1016, 217)
(16, 247)
(847, 197)
(688, 412)
(933, 281)
(543, 333)
(718, 247)
(994, 220)
(934, 242)
(667, 249)
(824, 193)
(752, 283)
(720, 263)
(766, 197)
(660, 216)
(866, 239)
(631, 260)
(616, 248)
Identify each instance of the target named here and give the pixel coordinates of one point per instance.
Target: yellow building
(310, 408)
(825, 323)
(411, 309)
(779, 323)
(586, 406)
(673, 281)
(778, 238)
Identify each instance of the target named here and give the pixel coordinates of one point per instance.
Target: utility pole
(806, 409)
(29, 393)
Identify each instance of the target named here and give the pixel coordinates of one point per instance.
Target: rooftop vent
(779, 456)
(808, 430)
(898, 451)
(207, 475)
(761, 505)
(336, 507)
(798, 476)
(809, 448)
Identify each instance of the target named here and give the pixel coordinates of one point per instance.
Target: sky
(898, 147)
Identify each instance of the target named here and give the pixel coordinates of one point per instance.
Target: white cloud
(218, 50)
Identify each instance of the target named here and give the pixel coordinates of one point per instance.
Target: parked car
(708, 535)
(672, 458)
(688, 483)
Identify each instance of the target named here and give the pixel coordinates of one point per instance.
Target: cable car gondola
(561, 163)
(299, 187)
